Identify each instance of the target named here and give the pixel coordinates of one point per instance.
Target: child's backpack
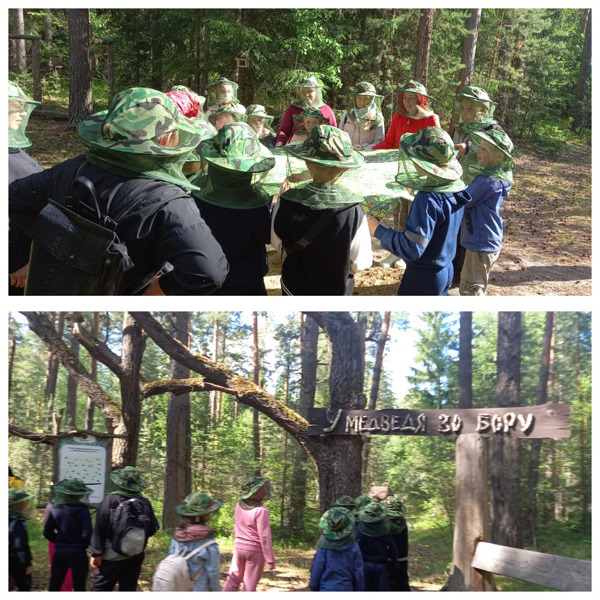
(131, 522)
(173, 572)
(75, 249)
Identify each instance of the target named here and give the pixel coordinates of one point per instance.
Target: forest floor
(547, 245)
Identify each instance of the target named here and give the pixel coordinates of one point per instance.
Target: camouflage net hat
(128, 479)
(416, 88)
(337, 523)
(258, 110)
(215, 87)
(18, 495)
(309, 81)
(328, 146)
(197, 504)
(134, 119)
(252, 485)
(237, 147)
(72, 487)
(364, 88)
(498, 139)
(226, 110)
(20, 108)
(428, 161)
(395, 507)
(476, 93)
(345, 502)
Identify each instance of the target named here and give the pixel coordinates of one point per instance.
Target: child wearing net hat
(235, 207)
(482, 230)
(260, 121)
(338, 563)
(19, 552)
(363, 122)
(193, 531)
(308, 94)
(320, 224)
(252, 545)
(223, 92)
(428, 164)
(69, 526)
(311, 117)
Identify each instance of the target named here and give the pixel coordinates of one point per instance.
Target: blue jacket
(429, 239)
(69, 526)
(207, 559)
(339, 570)
(481, 228)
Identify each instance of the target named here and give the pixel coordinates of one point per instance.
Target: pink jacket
(252, 531)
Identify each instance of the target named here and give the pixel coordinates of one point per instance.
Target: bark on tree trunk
(585, 70)
(20, 64)
(71, 403)
(80, 71)
(505, 451)
(178, 478)
(530, 509)
(424, 45)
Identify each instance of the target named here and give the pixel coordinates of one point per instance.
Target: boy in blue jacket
(429, 165)
(481, 229)
(338, 564)
(69, 526)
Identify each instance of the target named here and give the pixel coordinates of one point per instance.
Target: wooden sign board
(543, 421)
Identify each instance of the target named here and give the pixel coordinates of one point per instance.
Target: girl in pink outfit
(252, 546)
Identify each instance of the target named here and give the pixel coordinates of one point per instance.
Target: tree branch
(41, 325)
(242, 388)
(182, 386)
(97, 349)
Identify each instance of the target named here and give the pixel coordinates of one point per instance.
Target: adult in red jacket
(411, 115)
(309, 95)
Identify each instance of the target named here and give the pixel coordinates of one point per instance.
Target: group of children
(362, 545)
(315, 222)
(68, 528)
(454, 234)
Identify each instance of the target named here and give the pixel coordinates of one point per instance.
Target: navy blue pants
(418, 281)
(376, 577)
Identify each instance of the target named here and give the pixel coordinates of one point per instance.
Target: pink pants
(67, 584)
(247, 568)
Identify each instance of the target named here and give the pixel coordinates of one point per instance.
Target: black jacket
(323, 267)
(164, 229)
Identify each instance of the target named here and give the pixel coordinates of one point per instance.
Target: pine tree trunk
(585, 70)
(71, 404)
(178, 478)
(531, 499)
(505, 460)
(424, 45)
(20, 64)
(80, 71)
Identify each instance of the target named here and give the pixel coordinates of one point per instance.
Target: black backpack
(131, 526)
(75, 249)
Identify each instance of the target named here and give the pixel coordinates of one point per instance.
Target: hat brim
(490, 140)
(298, 150)
(180, 509)
(82, 492)
(373, 94)
(138, 487)
(90, 131)
(260, 162)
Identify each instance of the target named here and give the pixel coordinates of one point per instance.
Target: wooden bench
(556, 572)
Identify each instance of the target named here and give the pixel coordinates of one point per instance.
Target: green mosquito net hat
(222, 90)
(258, 110)
(478, 95)
(503, 145)
(197, 504)
(20, 108)
(336, 523)
(328, 146)
(428, 161)
(308, 81)
(226, 110)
